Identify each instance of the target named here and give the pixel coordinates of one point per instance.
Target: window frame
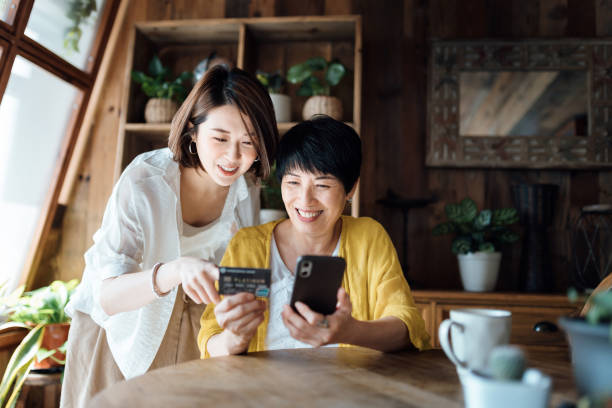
(15, 42)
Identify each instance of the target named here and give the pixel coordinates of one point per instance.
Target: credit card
(251, 280)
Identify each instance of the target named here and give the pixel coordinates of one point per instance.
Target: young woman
(170, 216)
(318, 164)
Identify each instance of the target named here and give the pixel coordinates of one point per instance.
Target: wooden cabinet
(534, 317)
(268, 44)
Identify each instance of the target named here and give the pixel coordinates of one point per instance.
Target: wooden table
(325, 377)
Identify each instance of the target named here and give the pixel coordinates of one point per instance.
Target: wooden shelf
(158, 132)
(268, 44)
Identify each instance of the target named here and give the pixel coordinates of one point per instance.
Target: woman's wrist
(235, 344)
(166, 278)
(351, 331)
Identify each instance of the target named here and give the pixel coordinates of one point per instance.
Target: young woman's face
(224, 144)
(314, 201)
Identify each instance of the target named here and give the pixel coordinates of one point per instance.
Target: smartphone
(317, 280)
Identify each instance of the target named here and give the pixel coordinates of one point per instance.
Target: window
(49, 55)
(8, 9)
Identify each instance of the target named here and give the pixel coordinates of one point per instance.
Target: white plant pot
(267, 215)
(481, 392)
(282, 107)
(479, 270)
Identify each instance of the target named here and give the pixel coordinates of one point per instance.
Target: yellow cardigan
(373, 278)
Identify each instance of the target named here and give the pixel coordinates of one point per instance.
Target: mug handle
(443, 335)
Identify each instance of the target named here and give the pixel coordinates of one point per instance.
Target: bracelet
(158, 293)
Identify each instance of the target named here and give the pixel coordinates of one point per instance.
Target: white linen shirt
(142, 225)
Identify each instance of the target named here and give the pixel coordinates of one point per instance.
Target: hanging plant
(78, 12)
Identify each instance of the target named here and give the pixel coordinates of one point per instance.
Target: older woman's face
(314, 201)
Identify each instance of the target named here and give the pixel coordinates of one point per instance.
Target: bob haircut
(218, 87)
(321, 145)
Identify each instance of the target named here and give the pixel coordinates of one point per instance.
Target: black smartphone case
(317, 280)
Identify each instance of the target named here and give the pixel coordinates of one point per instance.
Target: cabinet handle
(545, 327)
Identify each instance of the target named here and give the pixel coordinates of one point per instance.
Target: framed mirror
(528, 104)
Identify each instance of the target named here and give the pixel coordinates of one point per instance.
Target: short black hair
(321, 145)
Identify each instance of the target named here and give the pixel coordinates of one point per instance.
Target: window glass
(66, 27)
(35, 113)
(8, 8)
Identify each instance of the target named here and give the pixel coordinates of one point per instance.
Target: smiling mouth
(308, 215)
(228, 171)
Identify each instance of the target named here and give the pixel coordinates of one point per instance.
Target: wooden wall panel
(396, 37)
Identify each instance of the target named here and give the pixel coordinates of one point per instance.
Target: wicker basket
(160, 110)
(327, 105)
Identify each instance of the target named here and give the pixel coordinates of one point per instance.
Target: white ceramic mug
(474, 333)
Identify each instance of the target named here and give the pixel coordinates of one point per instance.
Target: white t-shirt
(142, 225)
(281, 287)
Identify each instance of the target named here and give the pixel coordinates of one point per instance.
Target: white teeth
(228, 169)
(308, 214)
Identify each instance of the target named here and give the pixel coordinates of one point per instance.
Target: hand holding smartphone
(317, 280)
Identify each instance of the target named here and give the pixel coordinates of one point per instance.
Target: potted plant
(590, 340)
(318, 89)
(281, 102)
(41, 312)
(272, 207)
(478, 237)
(164, 93)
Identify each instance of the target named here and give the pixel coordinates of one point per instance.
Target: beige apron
(90, 366)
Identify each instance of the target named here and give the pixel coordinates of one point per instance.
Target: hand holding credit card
(251, 280)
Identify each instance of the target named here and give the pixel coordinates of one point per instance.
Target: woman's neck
(202, 199)
(292, 244)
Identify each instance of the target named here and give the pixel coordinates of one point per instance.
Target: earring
(192, 148)
(350, 200)
(256, 160)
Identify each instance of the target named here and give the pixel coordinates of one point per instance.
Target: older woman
(318, 164)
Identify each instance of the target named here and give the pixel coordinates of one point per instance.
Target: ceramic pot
(533, 391)
(55, 336)
(591, 351)
(319, 104)
(160, 110)
(479, 270)
(282, 107)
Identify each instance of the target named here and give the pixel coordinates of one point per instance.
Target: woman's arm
(131, 291)
(386, 334)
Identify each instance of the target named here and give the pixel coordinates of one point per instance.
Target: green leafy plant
(273, 82)
(304, 73)
(158, 83)
(271, 192)
(78, 12)
(475, 231)
(600, 307)
(34, 311)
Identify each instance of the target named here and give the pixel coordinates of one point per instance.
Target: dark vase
(535, 204)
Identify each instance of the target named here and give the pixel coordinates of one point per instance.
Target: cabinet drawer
(523, 321)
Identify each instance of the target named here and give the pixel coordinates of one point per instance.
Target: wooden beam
(88, 121)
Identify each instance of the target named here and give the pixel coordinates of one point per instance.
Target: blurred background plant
(79, 12)
(475, 231)
(158, 84)
(36, 311)
(306, 74)
(273, 82)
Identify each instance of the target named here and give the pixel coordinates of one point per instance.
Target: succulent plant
(507, 363)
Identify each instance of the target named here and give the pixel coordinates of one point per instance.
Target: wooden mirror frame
(445, 148)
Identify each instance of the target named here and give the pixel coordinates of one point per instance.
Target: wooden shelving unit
(268, 44)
